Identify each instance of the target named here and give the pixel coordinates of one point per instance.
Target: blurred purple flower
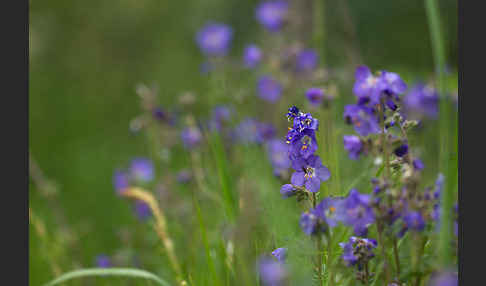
(269, 89)
(363, 119)
(418, 164)
(103, 261)
(280, 254)
(287, 191)
(142, 210)
(252, 56)
(184, 176)
(357, 212)
(278, 153)
(306, 60)
(422, 100)
(315, 96)
(353, 145)
(444, 278)
(191, 137)
(142, 170)
(272, 273)
(272, 14)
(214, 39)
(120, 181)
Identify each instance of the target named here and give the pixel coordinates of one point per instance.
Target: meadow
(243, 143)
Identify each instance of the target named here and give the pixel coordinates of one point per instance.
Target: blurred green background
(86, 57)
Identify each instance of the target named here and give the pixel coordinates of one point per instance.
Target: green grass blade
(103, 272)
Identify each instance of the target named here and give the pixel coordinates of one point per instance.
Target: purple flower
(307, 60)
(120, 181)
(269, 89)
(309, 222)
(293, 112)
(214, 39)
(422, 100)
(265, 132)
(103, 261)
(191, 137)
(272, 273)
(414, 220)
(278, 153)
(160, 114)
(362, 118)
(184, 176)
(327, 210)
(353, 145)
(280, 254)
(305, 121)
(391, 83)
(356, 212)
(444, 278)
(252, 56)
(358, 250)
(142, 210)
(142, 170)
(220, 114)
(418, 164)
(315, 96)
(287, 191)
(309, 173)
(272, 14)
(365, 85)
(401, 150)
(303, 144)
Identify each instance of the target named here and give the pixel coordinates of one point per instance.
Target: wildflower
(272, 14)
(293, 112)
(444, 278)
(356, 212)
(365, 85)
(315, 96)
(269, 89)
(280, 254)
(191, 137)
(305, 121)
(303, 144)
(184, 176)
(265, 132)
(142, 210)
(327, 210)
(277, 150)
(358, 251)
(306, 60)
(309, 173)
(391, 83)
(288, 190)
(103, 261)
(311, 224)
(362, 118)
(252, 56)
(422, 100)
(120, 181)
(414, 220)
(142, 170)
(272, 273)
(353, 145)
(418, 164)
(214, 39)
(160, 114)
(401, 150)
(220, 114)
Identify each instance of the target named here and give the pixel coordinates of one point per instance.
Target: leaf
(99, 272)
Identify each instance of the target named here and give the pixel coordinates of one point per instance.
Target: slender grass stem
(397, 257)
(160, 226)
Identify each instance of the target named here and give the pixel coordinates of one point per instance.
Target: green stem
(319, 29)
(447, 157)
(395, 253)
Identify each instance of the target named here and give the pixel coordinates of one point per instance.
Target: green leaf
(100, 272)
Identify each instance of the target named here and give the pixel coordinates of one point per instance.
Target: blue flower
(353, 145)
(363, 119)
(401, 150)
(214, 39)
(191, 137)
(272, 273)
(309, 173)
(327, 210)
(103, 261)
(252, 56)
(269, 89)
(357, 212)
(422, 100)
(288, 190)
(120, 181)
(358, 251)
(315, 96)
(311, 224)
(278, 153)
(444, 278)
(418, 164)
(272, 14)
(280, 254)
(142, 210)
(142, 170)
(307, 60)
